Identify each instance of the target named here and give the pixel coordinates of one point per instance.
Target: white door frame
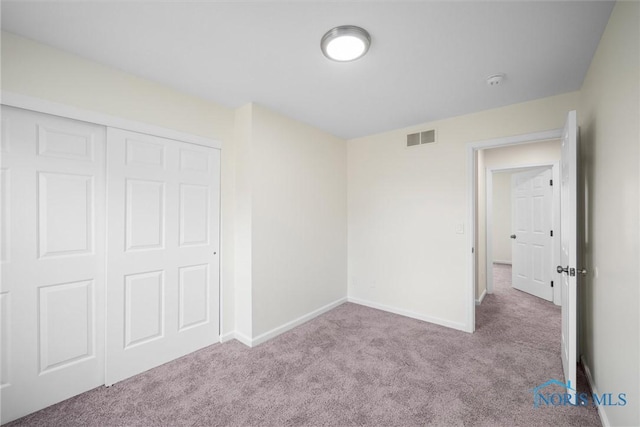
(555, 223)
(472, 202)
(40, 105)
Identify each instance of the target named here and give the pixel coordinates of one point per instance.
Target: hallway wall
(610, 136)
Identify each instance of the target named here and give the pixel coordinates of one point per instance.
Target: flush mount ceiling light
(345, 43)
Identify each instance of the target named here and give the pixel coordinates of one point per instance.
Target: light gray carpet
(352, 366)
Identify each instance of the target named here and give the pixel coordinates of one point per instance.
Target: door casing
(472, 203)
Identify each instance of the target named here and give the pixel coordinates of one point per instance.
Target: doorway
(477, 211)
(567, 272)
(520, 160)
(520, 232)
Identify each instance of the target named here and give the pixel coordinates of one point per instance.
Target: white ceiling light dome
(345, 43)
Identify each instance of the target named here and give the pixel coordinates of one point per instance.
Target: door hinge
(552, 283)
(551, 233)
(472, 250)
(551, 182)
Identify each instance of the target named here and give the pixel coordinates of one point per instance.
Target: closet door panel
(53, 259)
(163, 281)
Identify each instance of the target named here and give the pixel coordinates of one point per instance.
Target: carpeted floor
(353, 366)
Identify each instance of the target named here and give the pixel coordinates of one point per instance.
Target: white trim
(472, 148)
(488, 230)
(472, 190)
(221, 325)
(296, 322)
(411, 314)
(252, 342)
(228, 336)
(49, 107)
(243, 338)
(557, 243)
(546, 135)
(482, 295)
(601, 409)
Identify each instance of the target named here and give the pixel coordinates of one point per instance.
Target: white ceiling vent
(419, 138)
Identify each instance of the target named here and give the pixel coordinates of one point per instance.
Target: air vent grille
(419, 138)
(413, 139)
(428, 136)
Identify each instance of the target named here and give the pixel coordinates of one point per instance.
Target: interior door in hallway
(52, 250)
(163, 262)
(569, 256)
(531, 210)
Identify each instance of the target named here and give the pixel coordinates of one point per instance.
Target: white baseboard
(495, 261)
(243, 339)
(228, 336)
(482, 295)
(407, 313)
(252, 342)
(296, 322)
(601, 409)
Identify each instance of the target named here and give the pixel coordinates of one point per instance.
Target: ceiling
(428, 60)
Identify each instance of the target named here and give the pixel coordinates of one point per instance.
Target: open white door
(569, 242)
(531, 203)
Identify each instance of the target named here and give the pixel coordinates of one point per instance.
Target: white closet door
(163, 259)
(52, 290)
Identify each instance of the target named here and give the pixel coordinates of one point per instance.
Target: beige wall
(293, 180)
(405, 205)
(512, 156)
(32, 68)
(40, 71)
(610, 136)
(501, 223)
(242, 224)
